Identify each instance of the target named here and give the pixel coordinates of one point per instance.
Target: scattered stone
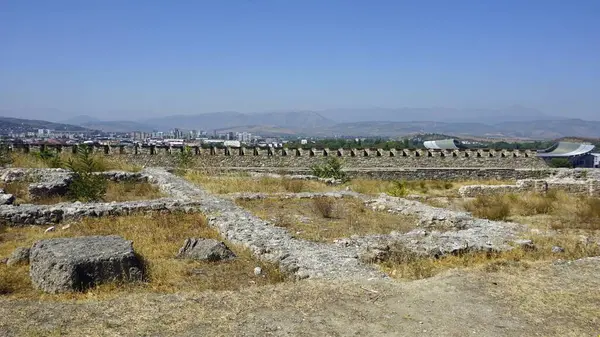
(525, 244)
(205, 249)
(2, 191)
(257, 271)
(50, 229)
(66, 227)
(374, 253)
(19, 256)
(75, 264)
(558, 249)
(7, 199)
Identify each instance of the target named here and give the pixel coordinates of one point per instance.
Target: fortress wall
(256, 157)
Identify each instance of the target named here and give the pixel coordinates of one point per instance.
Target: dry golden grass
(233, 183)
(348, 216)
(115, 191)
(562, 210)
(157, 239)
(436, 188)
(565, 295)
(105, 163)
(407, 265)
(129, 191)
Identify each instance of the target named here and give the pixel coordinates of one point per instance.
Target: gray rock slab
(7, 199)
(74, 264)
(205, 249)
(19, 256)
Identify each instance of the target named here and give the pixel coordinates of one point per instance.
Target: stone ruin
(580, 182)
(439, 232)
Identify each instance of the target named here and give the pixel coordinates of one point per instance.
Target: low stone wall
(456, 174)
(52, 214)
(46, 182)
(589, 187)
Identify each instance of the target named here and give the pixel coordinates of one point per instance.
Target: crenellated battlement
(304, 157)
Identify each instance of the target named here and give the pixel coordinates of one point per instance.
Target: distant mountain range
(512, 122)
(33, 125)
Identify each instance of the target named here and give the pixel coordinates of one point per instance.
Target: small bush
(185, 158)
(293, 185)
(560, 162)
(399, 189)
(86, 185)
(324, 206)
(332, 168)
(51, 159)
(489, 207)
(5, 155)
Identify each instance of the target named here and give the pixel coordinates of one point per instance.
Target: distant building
(596, 160)
(444, 144)
(580, 155)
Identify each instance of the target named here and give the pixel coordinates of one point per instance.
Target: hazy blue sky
(132, 59)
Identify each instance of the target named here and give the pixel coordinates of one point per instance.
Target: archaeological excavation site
(193, 241)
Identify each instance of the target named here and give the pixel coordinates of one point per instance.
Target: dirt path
(542, 300)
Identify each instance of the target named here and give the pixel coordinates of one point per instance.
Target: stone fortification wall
(303, 158)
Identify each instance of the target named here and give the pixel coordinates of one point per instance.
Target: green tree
(560, 162)
(331, 168)
(87, 185)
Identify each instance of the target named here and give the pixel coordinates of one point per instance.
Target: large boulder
(205, 249)
(74, 264)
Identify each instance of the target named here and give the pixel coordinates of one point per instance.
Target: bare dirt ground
(543, 299)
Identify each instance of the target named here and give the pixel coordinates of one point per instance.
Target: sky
(134, 59)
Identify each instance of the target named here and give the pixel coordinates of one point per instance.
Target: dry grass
(407, 265)
(156, 238)
(233, 183)
(561, 210)
(115, 191)
(105, 163)
(348, 216)
(324, 206)
(129, 191)
(437, 188)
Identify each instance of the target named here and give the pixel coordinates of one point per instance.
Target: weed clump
(399, 189)
(293, 185)
(324, 206)
(493, 207)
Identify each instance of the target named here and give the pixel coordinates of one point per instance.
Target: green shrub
(5, 155)
(332, 168)
(51, 159)
(399, 189)
(560, 162)
(86, 185)
(185, 158)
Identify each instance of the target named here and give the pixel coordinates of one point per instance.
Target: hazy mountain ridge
(33, 125)
(512, 122)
